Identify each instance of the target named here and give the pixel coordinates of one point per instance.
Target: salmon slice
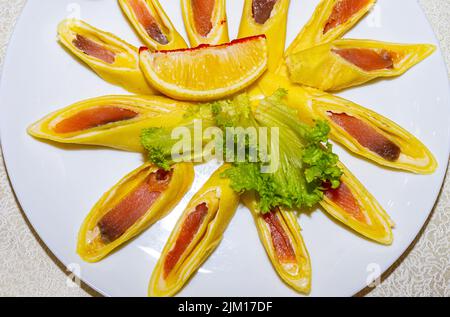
(280, 240)
(95, 117)
(202, 11)
(342, 12)
(94, 49)
(149, 23)
(367, 59)
(367, 136)
(262, 10)
(188, 230)
(135, 205)
(343, 197)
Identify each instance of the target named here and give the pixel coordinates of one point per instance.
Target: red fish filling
(367, 136)
(149, 23)
(280, 240)
(262, 10)
(202, 11)
(94, 49)
(125, 214)
(367, 59)
(342, 12)
(95, 117)
(190, 227)
(343, 197)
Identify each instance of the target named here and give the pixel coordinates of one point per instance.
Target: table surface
(28, 268)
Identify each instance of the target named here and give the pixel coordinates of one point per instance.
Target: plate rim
(57, 259)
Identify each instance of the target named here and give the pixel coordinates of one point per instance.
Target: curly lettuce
(306, 160)
(304, 163)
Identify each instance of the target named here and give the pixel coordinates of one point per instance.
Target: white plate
(57, 186)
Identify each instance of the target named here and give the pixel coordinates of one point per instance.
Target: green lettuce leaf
(305, 162)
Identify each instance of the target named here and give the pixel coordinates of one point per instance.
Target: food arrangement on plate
(249, 83)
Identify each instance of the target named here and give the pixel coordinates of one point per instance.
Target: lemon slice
(206, 72)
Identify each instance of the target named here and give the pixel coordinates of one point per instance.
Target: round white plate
(57, 185)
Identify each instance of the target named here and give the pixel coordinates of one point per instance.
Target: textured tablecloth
(27, 268)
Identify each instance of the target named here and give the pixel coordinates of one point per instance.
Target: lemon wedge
(206, 72)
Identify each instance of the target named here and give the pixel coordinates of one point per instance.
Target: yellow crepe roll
(370, 135)
(331, 20)
(205, 21)
(353, 205)
(139, 200)
(113, 59)
(281, 237)
(346, 63)
(152, 24)
(267, 17)
(111, 121)
(360, 130)
(196, 235)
